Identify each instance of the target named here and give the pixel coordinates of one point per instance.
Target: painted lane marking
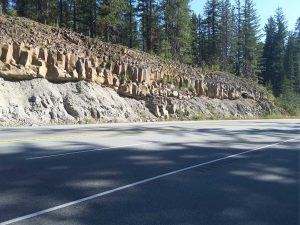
(84, 151)
(45, 211)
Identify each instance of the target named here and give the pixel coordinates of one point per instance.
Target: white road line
(45, 211)
(84, 151)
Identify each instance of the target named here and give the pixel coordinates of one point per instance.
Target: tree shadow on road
(257, 188)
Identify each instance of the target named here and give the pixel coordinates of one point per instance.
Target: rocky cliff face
(29, 50)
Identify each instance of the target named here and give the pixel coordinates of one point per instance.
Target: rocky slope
(52, 75)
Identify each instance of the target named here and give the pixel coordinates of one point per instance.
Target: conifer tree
(111, 19)
(212, 23)
(237, 44)
(251, 37)
(177, 28)
(195, 36)
(269, 51)
(226, 31)
(274, 51)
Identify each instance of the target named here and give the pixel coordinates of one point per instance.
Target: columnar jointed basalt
(21, 62)
(30, 50)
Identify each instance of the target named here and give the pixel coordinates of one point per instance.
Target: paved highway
(177, 173)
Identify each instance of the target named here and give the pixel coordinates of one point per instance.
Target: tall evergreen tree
(178, 28)
(195, 36)
(269, 51)
(111, 19)
(131, 25)
(212, 11)
(279, 51)
(226, 31)
(149, 25)
(250, 30)
(297, 58)
(292, 59)
(237, 44)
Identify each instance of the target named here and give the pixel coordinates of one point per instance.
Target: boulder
(175, 94)
(54, 73)
(18, 74)
(100, 80)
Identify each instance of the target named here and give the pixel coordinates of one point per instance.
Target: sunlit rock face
(29, 50)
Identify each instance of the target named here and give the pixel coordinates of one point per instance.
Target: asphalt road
(179, 173)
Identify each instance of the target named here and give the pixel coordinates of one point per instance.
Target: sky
(265, 9)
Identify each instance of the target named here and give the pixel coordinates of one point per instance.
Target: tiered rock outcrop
(30, 50)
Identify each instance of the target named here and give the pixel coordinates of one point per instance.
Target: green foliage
(124, 77)
(289, 100)
(177, 25)
(79, 88)
(167, 80)
(110, 19)
(274, 51)
(12, 12)
(212, 25)
(166, 50)
(215, 68)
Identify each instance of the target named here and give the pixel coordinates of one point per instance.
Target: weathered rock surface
(38, 101)
(41, 102)
(120, 80)
(60, 55)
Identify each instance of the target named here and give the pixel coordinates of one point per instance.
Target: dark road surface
(179, 173)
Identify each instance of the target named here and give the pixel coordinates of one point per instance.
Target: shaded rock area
(38, 54)
(40, 102)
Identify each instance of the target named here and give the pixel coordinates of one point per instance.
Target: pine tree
(195, 35)
(279, 51)
(297, 58)
(237, 43)
(250, 30)
(111, 19)
(213, 25)
(150, 28)
(269, 51)
(131, 25)
(177, 28)
(292, 59)
(274, 51)
(226, 31)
